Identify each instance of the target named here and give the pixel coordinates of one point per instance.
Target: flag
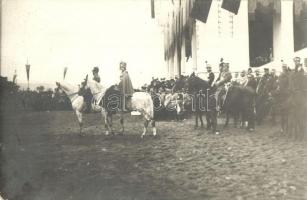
(65, 71)
(200, 10)
(152, 6)
(14, 77)
(231, 5)
(28, 71)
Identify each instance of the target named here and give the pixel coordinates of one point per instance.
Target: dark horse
(239, 102)
(203, 101)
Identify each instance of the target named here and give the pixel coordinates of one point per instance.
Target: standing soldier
(243, 78)
(263, 96)
(283, 95)
(125, 86)
(257, 76)
(297, 76)
(263, 81)
(297, 96)
(251, 86)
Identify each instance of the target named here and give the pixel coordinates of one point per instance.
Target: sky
(80, 34)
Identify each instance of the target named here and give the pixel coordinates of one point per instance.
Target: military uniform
(224, 78)
(96, 76)
(210, 78)
(126, 88)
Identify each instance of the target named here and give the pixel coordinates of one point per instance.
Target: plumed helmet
(95, 69)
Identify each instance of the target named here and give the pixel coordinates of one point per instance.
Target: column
(194, 47)
(286, 30)
(183, 70)
(277, 54)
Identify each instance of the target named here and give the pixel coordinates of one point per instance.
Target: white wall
(212, 45)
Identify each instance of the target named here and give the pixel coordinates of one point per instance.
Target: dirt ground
(44, 158)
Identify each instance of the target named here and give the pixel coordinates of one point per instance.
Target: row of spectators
(12, 98)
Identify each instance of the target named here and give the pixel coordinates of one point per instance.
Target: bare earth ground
(43, 158)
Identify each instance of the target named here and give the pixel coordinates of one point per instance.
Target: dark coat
(211, 78)
(125, 84)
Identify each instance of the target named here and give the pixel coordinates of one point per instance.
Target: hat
(122, 64)
(266, 69)
(95, 69)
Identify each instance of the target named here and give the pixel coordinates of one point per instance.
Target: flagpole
(28, 73)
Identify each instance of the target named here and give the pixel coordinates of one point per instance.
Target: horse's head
(194, 84)
(66, 88)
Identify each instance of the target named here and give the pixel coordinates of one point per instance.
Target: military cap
(95, 69)
(122, 64)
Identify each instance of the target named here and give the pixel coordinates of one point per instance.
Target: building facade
(262, 33)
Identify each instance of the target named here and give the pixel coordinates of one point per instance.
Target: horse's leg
(79, 116)
(227, 119)
(208, 119)
(111, 123)
(145, 127)
(196, 119)
(106, 120)
(201, 119)
(251, 120)
(122, 124)
(104, 116)
(154, 129)
(282, 121)
(214, 122)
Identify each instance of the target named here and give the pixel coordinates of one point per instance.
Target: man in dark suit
(210, 76)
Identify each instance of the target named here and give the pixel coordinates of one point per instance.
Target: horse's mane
(197, 83)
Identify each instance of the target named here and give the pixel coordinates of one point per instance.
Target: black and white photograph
(153, 99)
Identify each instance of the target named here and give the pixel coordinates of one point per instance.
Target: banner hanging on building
(200, 10)
(231, 5)
(152, 6)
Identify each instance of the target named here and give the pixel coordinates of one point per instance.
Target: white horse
(140, 101)
(77, 102)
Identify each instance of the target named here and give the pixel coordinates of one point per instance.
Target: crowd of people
(13, 98)
(274, 93)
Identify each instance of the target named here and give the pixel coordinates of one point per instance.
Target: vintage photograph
(153, 100)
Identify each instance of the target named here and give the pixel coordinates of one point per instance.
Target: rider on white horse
(97, 96)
